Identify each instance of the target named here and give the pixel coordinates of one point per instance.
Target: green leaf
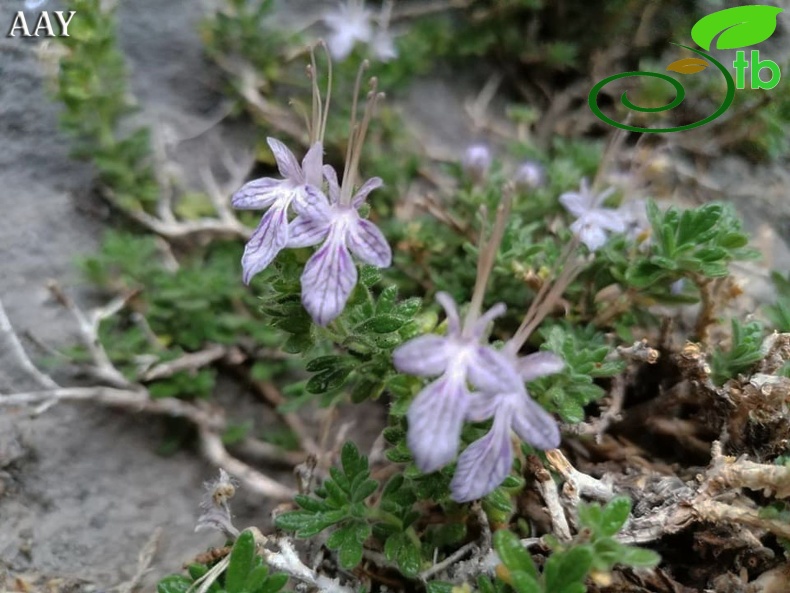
(348, 541)
(197, 570)
(241, 557)
(591, 516)
(614, 516)
(175, 583)
(328, 380)
(325, 363)
(439, 587)
(741, 26)
(513, 553)
(638, 557)
(274, 583)
(256, 578)
(353, 462)
(381, 324)
(524, 583)
(567, 568)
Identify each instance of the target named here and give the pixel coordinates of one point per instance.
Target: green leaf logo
(688, 66)
(739, 27)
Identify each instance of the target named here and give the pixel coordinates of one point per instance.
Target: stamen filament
(546, 296)
(487, 255)
(322, 132)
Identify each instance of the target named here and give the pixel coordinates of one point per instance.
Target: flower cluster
(459, 360)
(351, 23)
(332, 221)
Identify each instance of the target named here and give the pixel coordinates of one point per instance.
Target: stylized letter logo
(737, 27)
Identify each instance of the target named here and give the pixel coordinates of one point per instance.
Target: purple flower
(477, 161)
(437, 414)
(592, 219)
(351, 23)
(276, 196)
(486, 463)
(530, 175)
(330, 274)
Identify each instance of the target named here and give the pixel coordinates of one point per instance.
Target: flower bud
(476, 161)
(530, 175)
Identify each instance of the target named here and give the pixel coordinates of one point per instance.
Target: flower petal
(592, 235)
(328, 279)
(436, 417)
(259, 194)
(313, 204)
(607, 218)
(491, 371)
(312, 165)
(424, 356)
(334, 187)
(482, 406)
(367, 187)
(482, 323)
(574, 202)
(286, 161)
(533, 424)
(484, 464)
(451, 310)
(538, 365)
(368, 243)
(305, 231)
(266, 242)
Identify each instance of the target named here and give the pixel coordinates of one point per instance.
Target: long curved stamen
(322, 131)
(318, 116)
(487, 255)
(347, 185)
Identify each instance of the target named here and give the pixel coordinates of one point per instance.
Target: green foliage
(779, 313)
(242, 30)
(246, 573)
(176, 311)
(585, 353)
(92, 87)
(696, 243)
(340, 503)
(744, 352)
(566, 570)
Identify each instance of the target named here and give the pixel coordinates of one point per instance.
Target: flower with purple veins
(330, 274)
(486, 463)
(592, 219)
(437, 414)
(276, 196)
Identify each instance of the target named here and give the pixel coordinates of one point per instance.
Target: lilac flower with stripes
(330, 274)
(437, 414)
(592, 219)
(486, 463)
(276, 196)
